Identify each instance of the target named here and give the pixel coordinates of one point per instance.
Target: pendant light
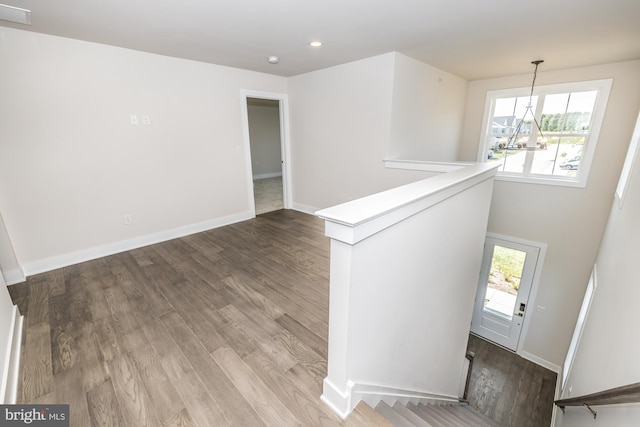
(528, 110)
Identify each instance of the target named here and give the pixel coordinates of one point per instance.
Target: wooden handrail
(625, 394)
(469, 356)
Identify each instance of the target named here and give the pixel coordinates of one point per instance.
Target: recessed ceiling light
(15, 14)
(315, 43)
(273, 59)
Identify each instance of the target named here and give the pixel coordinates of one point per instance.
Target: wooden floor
(222, 328)
(508, 389)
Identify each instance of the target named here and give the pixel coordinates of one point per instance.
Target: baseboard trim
(339, 401)
(304, 208)
(540, 361)
(12, 277)
(267, 175)
(343, 402)
(9, 390)
(374, 393)
(53, 263)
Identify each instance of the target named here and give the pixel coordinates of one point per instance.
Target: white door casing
(284, 143)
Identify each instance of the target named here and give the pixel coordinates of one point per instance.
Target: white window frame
(577, 332)
(629, 164)
(580, 180)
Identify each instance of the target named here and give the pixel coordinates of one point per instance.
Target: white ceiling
(474, 39)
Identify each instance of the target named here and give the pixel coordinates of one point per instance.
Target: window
(577, 332)
(629, 162)
(559, 152)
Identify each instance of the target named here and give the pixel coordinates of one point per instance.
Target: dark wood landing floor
(508, 389)
(222, 328)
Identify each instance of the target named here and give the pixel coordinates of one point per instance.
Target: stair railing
(469, 356)
(615, 396)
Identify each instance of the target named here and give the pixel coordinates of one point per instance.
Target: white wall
(264, 132)
(342, 126)
(69, 144)
(6, 334)
(404, 267)
(608, 416)
(401, 282)
(570, 220)
(9, 266)
(10, 338)
(609, 349)
(72, 164)
(427, 111)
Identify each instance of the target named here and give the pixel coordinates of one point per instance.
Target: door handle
(520, 312)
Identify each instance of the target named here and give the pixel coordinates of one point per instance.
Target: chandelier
(528, 110)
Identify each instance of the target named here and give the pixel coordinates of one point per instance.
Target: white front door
(505, 282)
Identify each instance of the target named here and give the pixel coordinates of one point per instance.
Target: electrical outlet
(128, 219)
(146, 120)
(134, 119)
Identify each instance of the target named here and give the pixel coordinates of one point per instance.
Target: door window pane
(507, 265)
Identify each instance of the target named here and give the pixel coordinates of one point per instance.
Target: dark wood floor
(222, 328)
(508, 389)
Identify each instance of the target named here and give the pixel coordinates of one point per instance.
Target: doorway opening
(508, 275)
(266, 135)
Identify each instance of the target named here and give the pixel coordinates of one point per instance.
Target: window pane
(508, 113)
(561, 157)
(511, 115)
(567, 112)
(555, 107)
(544, 160)
(565, 121)
(579, 111)
(504, 280)
(514, 161)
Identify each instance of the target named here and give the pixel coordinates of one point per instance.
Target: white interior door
(504, 286)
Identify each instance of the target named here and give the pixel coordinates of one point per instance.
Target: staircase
(433, 415)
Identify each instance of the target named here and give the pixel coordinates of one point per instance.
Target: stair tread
(424, 415)
(396, 418)
(488, 421)
(450, 416)
(365, 416)
(430, 414)
(411, 416)
(464, 416)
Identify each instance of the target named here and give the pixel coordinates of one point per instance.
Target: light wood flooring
(222, 328)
